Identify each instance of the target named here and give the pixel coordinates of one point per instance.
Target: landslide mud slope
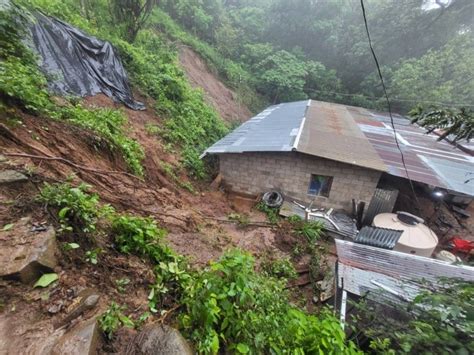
(223, 99)
(51, 151)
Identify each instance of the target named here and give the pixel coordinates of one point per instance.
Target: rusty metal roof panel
(273, 130)
(355, 136)
(433, 162)
(330, 131)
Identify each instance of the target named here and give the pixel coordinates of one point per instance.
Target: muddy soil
(53, 151)
(223, 99)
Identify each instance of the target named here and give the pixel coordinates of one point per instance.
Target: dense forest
(295, 49)
(126, 194)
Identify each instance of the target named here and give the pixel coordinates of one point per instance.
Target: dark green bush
(230, 308)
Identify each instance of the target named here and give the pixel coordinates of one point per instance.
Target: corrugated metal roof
(273, 130)
(330, 132)
(356, 136)
(428, 160)
(378, 237)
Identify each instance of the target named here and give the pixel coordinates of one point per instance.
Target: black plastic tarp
(78, 64)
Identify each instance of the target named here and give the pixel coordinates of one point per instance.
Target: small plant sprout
(121, 284)
(92, 256)
(113, 319)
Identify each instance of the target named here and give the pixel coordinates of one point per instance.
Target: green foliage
(79, 210)
(190, 123)
(456, 122)
(230, 308)
(46, 279)
(232, 72)
(23, 83)
(437, 321)
(329, 39)
(121, 284)
(92, 256)
(311, 230)
(282, 77)
(110, 124)
(280, 267)
(20, 79)
(130, 15)
(141, 236)
(272, 213)
(170, 172)
(7, 227)
(242, 219)
(152, 129)
(70, 246)
(113, 319)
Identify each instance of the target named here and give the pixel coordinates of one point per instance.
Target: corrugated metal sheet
(273, 130)
(362, 269)
(378, 237)
(356, 136)
(428, 160)
(383, 201)
(330, 132)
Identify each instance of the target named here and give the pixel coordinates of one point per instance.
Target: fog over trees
(296, 49)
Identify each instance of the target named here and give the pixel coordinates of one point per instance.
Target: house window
(320, 185)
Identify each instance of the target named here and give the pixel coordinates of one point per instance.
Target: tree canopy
(318, 48)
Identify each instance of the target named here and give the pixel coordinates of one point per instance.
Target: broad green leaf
(46, 280)
(62, 213)
(243, 348)
(8, 226)
(70, 246)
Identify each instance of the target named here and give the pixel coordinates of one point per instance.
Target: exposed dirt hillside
(223, 99)
(50, 151)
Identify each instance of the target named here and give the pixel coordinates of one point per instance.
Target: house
(331, 153)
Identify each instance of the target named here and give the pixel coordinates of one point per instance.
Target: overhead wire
(389, 107)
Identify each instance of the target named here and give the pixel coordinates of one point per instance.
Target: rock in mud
(11, 176)
(160, 340)
(25, 254)
(86, 301)
(80, 340)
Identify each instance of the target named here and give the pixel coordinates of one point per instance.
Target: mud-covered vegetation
(226, 306)
(233, 304)
(189, 123)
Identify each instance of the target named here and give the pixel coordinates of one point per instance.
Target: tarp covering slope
(78, 64)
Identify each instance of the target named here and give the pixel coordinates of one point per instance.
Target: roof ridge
(300, 129)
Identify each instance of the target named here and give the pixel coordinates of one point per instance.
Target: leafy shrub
(109, 124)
(170, 172)
(113, 319)
(141, 236)
(190, 122)
(230, 308)
(280, 267)
(20, 78)
(272, 213)
(435, 322)
(22, 82)
(79, 210)
(25, 84)
(311, 230)
(92, 256)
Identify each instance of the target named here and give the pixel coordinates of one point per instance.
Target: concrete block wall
(290, 173)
